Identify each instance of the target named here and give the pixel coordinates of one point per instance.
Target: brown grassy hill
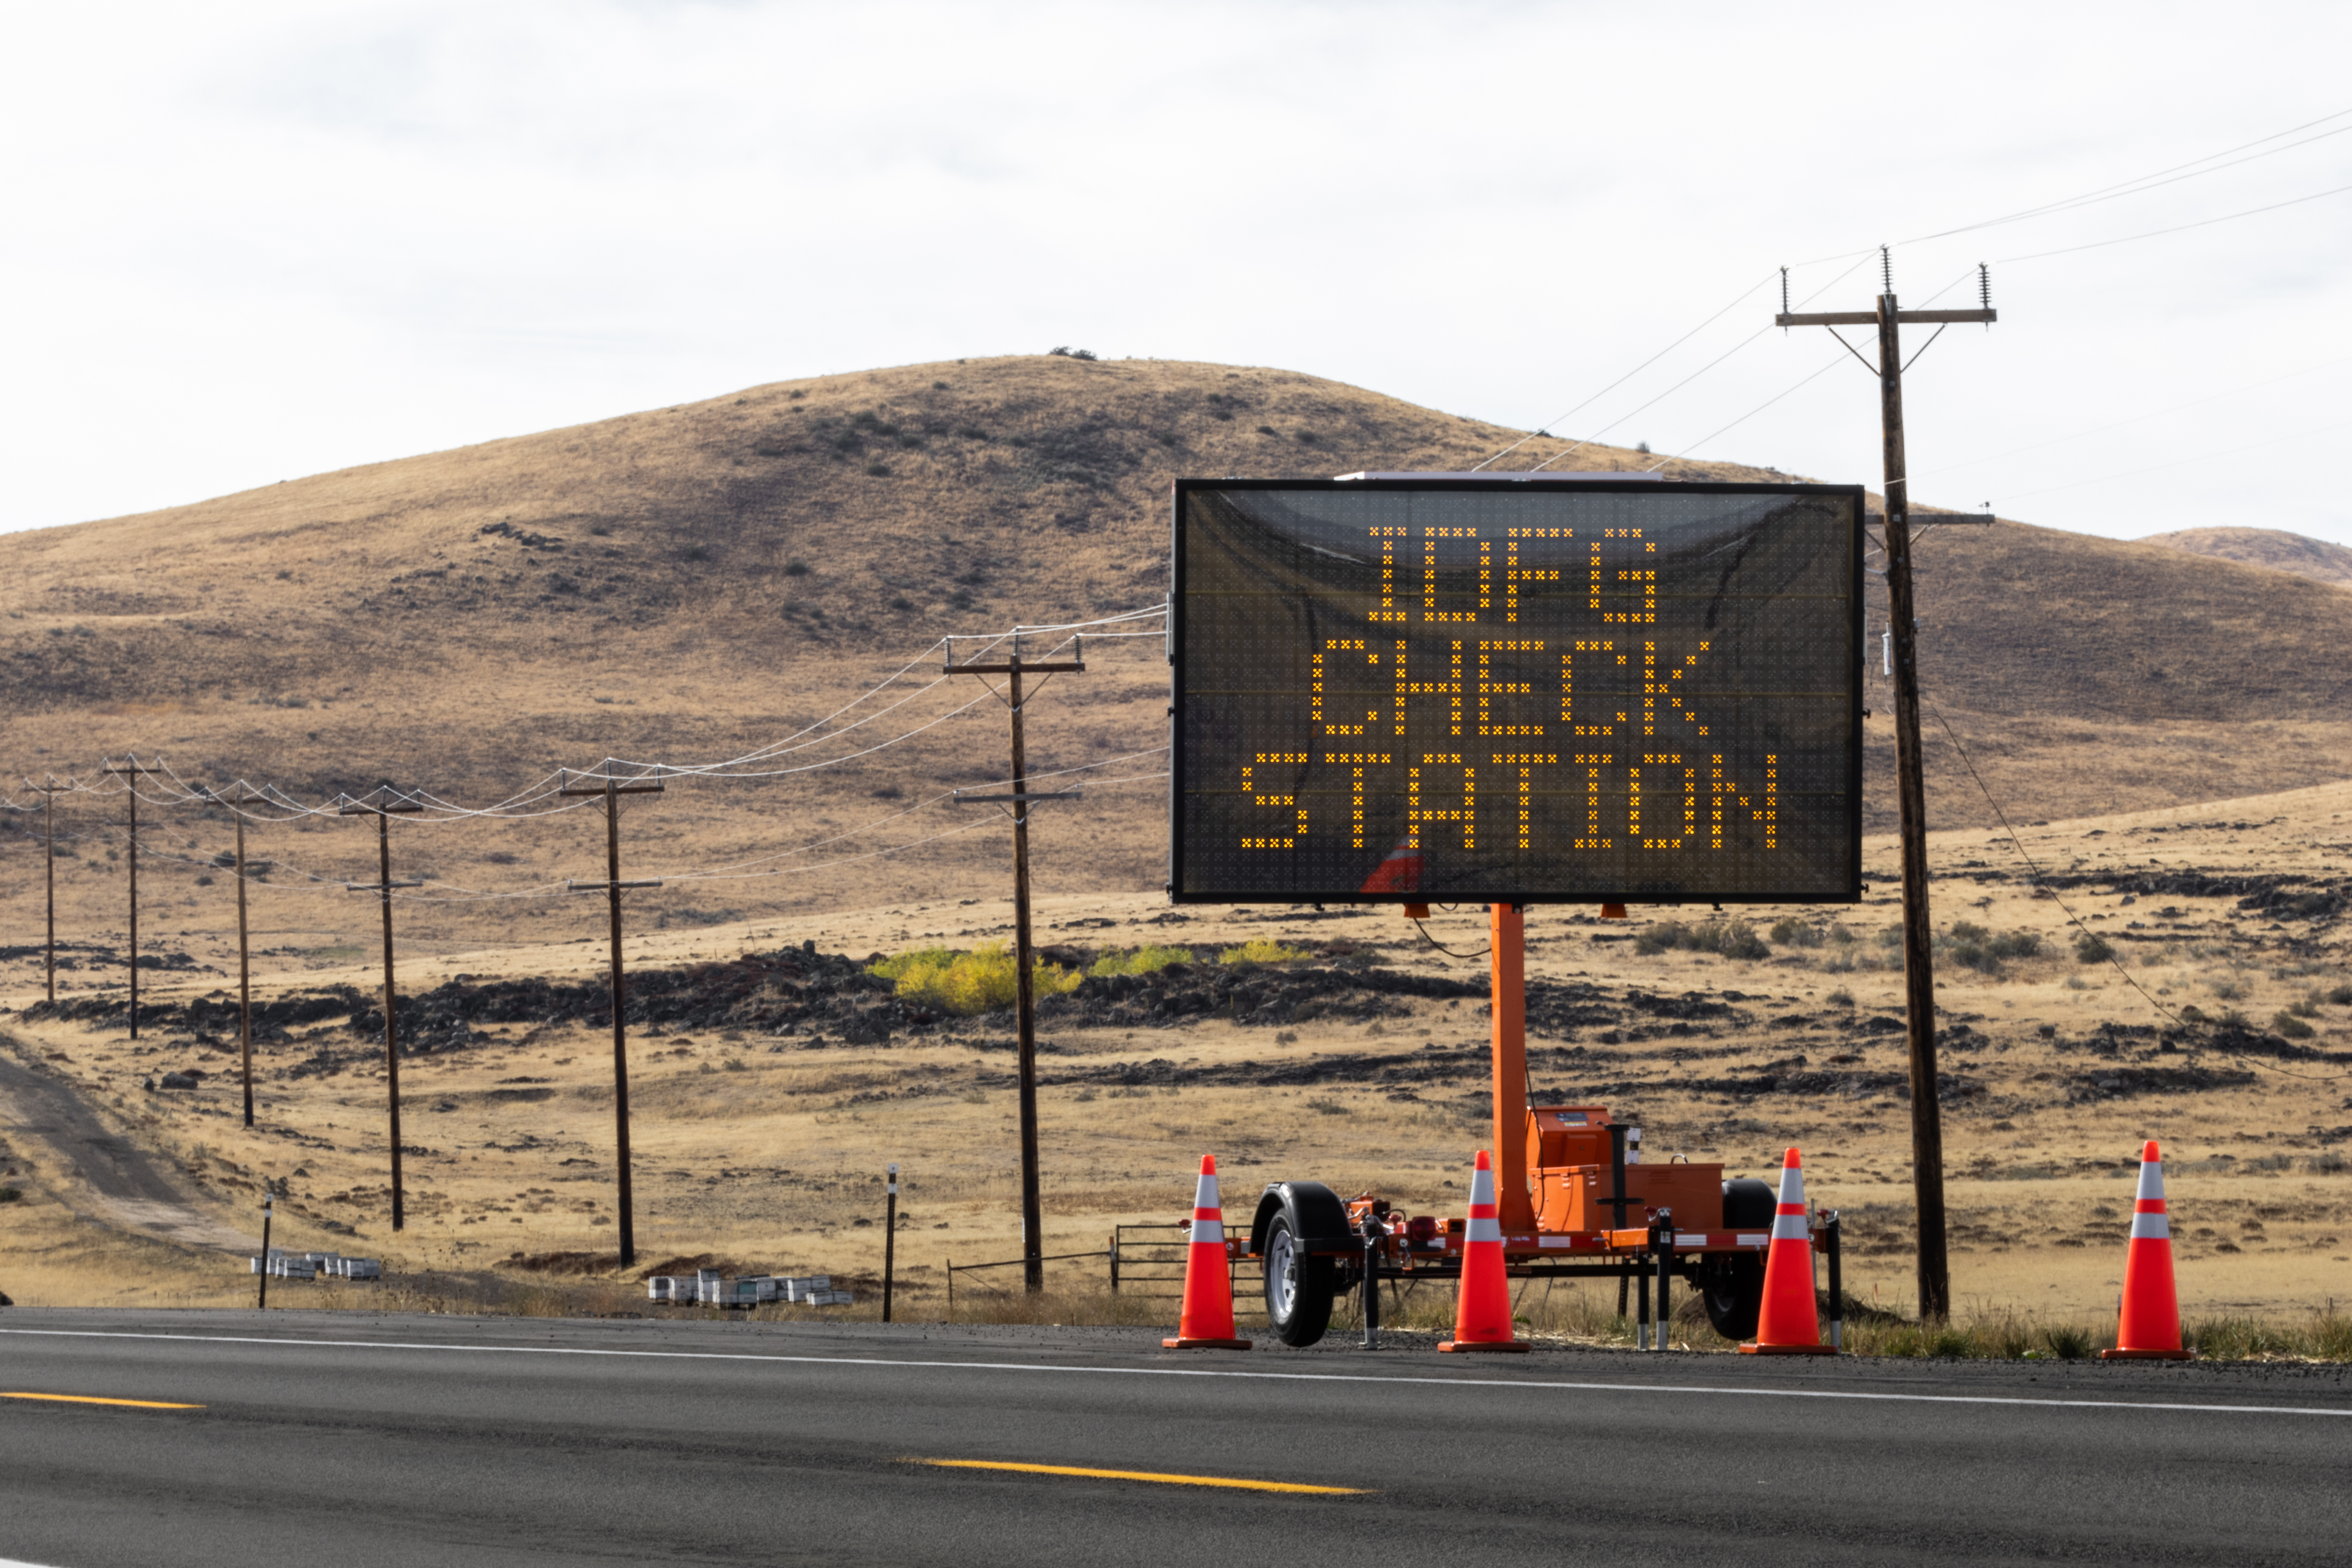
(2089, 675)
(2272, 547)
(691, 583)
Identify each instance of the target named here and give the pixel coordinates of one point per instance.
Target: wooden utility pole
(1935, 1276)
(383, 809)
(244, 951)
(132, 771)
(49, 834)
(1024, 984)
(609, 787)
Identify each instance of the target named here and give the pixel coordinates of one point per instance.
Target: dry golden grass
(397, 622)
(772, 1166)
(2274, 548)
(345, 628)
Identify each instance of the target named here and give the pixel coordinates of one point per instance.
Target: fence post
(1114, 1260)
(890, 1240)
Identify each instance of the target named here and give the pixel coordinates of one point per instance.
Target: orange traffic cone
(1482, 1313)
(1790, 1324)
(2150, 1328)
(1400, 872)
(1207, 1323)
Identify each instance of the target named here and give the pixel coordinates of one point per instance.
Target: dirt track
(125, 1186)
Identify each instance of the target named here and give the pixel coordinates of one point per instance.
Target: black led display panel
(1418, 691)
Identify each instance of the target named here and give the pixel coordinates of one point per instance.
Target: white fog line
(1209, 1373)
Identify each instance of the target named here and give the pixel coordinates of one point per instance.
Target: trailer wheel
(1298, 1285)
(1733, 1286)
(1733, 1289)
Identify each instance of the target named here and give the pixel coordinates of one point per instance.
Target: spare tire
(1748, 1204)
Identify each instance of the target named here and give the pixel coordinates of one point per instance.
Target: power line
(2172, 175)
(1785, 392)
(1693, 377)
(2129, 979)
(515, 807)
(1827, 366)
(2136, 418)
(1738, 300)
(2151, 182)
(2177, 228)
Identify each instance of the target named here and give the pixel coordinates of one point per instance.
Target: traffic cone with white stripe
(1400, 872)
(1789, 1323)
(1207, 1323)
(2149, 1324)
(1482, 1310)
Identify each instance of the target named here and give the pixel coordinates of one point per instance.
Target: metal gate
(1148, 1260)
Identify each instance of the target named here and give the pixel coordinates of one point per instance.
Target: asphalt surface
(361, 1440)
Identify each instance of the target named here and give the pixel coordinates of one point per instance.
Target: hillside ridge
(2274, 548)
(691, 583)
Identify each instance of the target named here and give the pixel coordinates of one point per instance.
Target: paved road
(362, 1440)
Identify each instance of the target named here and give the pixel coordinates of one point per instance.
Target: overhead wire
(1693, 377)
(1738, 299)
(2135, 419)
(2092, 936)
(2177, 228)
(1832, 364)
(515, 805)
(1827, 365)
(2162, 177)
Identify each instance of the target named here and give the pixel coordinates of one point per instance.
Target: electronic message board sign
(1421, 689)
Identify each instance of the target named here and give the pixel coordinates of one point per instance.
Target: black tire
(1299, 1286)
(1732, 1285)
(1733, 1289)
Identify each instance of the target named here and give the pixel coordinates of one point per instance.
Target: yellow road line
(1138, 1475)
(94, 1399)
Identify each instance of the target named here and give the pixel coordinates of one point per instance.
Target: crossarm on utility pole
(972, 797)
(1918, 955)
(1064, 668)
(1024, 995)
(1870, 318)
(383, 809)
(610, 787)
(132, 770)
(244, 954)
(48, 793)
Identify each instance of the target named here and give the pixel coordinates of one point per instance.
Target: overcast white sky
(250, 241)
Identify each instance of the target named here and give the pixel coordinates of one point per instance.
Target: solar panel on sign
(1412, 690)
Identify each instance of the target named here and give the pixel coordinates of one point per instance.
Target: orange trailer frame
(1369, 1241)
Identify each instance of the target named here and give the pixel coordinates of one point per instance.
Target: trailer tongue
(1576, 1202)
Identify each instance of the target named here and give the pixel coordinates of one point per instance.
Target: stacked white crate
(280, 1264)
(710, 1289)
